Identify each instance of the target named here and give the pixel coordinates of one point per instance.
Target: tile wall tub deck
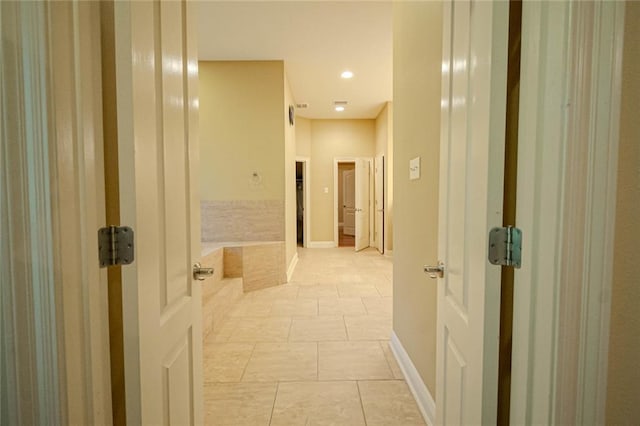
(242, 220)
(239, 267)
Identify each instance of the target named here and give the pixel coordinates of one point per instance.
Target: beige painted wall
(623, 388)
(242, 130)
(384, 146)
(342, 167)
(290, 177)
(417, 57)
(303, 137)
(331, 139)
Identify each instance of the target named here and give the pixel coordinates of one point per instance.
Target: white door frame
(337, 160)
(306, 214)
(62, 331)
(381, 233)
(568, 139)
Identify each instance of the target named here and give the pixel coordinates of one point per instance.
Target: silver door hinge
(505, 246)
(115, 245)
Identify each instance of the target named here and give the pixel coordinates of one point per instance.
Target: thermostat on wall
(414, 168)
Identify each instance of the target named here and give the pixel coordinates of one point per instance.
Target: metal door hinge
(505, 246)
(115, 246)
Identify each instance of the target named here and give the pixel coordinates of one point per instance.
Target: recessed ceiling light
(346, 74)
(339, 108)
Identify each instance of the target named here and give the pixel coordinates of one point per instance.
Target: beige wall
(303, 137)
(417, 57)
(242, 130)
(384, 146)
(623, 390)
(290, 177)
(342, 167)
(331, 139)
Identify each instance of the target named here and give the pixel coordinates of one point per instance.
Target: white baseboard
(292, 266)
(388, 253)
(322, 244)
(425, 401)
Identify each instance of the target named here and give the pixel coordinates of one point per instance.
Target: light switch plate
(414, 168)
(326, 190)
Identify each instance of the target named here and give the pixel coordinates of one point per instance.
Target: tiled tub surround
(260, 264)
(242, 220)
(219, 294)
(238, 268)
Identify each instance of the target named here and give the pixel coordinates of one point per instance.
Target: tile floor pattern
(311, 352)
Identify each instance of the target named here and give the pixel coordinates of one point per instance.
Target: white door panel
(349, 200)
(157, 106)
(471, 179)
(362, 204)
(379, 203)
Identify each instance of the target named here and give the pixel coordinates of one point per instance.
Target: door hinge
(505, 246)
(115, 245)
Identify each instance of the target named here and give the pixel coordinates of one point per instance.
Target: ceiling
(317, 41)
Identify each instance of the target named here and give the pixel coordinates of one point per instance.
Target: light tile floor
(311, 352)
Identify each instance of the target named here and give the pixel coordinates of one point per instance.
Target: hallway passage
(311, 352)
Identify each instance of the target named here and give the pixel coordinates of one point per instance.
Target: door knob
(200, 273)
(435, 271)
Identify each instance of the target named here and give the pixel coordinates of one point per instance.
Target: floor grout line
(244, 370)
(364, 415)
(275, 398)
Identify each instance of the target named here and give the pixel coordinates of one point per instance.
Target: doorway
(346, 204)
(300, 203)
(303, 210)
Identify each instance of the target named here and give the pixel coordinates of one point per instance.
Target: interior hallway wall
(417, 58)
(242, 150)
(330, 139)
(623, 387)
(384, 146)
(242, 129)
(290, 204)
(303, 137)
(342, 167)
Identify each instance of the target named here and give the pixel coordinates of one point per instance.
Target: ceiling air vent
(302, 105)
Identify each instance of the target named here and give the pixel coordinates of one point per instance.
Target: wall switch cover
(326, 190)
(414, 168)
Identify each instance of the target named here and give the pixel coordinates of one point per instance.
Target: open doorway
(302, 202)
(352, 202)
(346, 204)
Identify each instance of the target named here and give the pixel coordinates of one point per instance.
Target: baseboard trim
(425, 401)
(322, 244)
(292, 266)
(388, 253)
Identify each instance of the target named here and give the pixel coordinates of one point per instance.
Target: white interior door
(156, 68)
(379, 203)
(471, 179)
(362, 204)
(349, 202)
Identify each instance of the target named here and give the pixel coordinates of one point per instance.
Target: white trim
(567, 163)
(322, 244)
(292, 266)
(372, 209)
(306, 178)
(337, 160)
(423, 397)
(388, 253)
